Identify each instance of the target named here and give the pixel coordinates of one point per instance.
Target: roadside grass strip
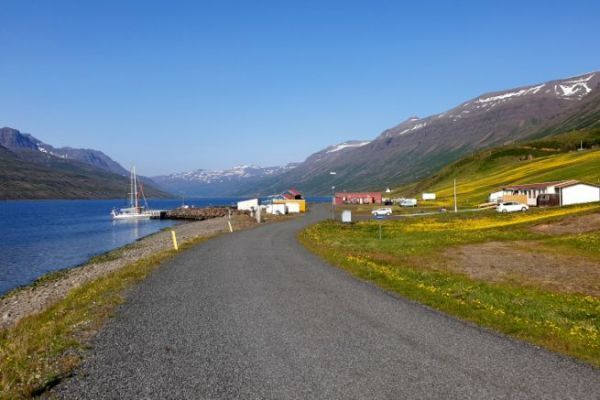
(44, 348)
(407, 260)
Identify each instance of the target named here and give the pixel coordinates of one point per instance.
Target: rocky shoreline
(202, 213)
(47, 290)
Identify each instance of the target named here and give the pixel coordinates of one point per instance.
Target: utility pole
(455, 205)
(332, 173)
(333, 203)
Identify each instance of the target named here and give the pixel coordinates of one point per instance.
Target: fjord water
(40, 236)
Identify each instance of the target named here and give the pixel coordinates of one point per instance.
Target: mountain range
(32, 169)
(204, 183)
(407, 152)
(418, 147)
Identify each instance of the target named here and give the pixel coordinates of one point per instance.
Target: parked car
(511, 206)
(382, 211)
(408, 203)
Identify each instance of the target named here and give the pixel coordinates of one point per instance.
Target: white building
(496, 197)
(577, 193)
(428, 196)
(293, 208)
(248, 205)
(277, 209)
(569, 192)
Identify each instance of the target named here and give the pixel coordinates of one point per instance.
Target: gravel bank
(34, 298)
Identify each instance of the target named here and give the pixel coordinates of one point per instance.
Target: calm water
(40, 236)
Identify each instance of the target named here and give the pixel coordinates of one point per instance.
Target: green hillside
(553, 158)
(59, 179)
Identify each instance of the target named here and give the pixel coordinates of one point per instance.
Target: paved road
(253, 315)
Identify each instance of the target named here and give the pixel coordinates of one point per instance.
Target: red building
(358, 198)
(292, 194)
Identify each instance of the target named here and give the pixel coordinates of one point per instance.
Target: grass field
(475, 183)
(411, 259)
(484, 172)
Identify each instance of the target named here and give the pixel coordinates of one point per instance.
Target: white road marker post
(174, 240)
(258, 215)
(230, 227)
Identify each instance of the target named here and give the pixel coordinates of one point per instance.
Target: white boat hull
(131, 216)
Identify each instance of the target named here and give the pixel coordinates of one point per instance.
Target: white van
(408, 203)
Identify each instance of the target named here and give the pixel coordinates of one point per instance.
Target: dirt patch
(37, 297)
(526, 264)
(575, 224)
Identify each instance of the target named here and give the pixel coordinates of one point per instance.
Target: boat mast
(131, 190)
(135, 188)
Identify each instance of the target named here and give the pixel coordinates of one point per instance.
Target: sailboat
(135, 210)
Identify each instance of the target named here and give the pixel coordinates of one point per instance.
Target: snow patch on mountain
(238, 172)
(346, 145)
(567, 89)
(574, 88)
(504, 96)
(413, 128)
(46, 151)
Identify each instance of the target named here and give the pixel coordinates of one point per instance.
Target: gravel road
(253, 315)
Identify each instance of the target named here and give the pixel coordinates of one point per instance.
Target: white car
(382, 211)
(511, 206)
(408, 203)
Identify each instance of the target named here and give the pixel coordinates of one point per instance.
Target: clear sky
(173, 86)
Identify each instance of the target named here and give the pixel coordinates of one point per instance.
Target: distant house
(292, 199)
(292, 194)
(358, 198)
(550, 193)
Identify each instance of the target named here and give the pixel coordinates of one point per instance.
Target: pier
(198, 214)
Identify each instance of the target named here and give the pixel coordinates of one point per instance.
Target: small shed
(346, 216)
(277, 209)
(548, 200)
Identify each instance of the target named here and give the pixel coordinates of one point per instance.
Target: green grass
(587, 243)
(408, 258)
(43, 348)
(484, 172)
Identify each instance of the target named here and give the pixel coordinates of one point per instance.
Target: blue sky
(173, 86)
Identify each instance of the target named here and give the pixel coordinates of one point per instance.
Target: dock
(197, 214)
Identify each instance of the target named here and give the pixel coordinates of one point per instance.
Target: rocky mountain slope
(31, 169)
(16, 141)
(206, 183)
(418, 146)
